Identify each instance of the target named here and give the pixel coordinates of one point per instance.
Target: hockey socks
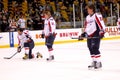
(51, 56)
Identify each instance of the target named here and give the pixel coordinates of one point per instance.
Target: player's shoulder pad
(26, 31)
(98, 13)
(88, 16)
(51, 18)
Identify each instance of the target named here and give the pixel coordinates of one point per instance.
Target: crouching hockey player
(26, 42)
(94, 31)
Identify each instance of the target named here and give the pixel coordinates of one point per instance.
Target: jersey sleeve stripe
(50, 29)
(98, 22)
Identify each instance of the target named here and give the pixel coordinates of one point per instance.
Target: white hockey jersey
(49, 26)
(90, 24)
(118, 23)
(22, 38)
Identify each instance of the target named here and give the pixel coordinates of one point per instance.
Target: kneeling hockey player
(26, 42)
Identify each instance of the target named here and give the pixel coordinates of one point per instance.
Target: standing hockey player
(25, 41)
(49, 33)
(94, 31)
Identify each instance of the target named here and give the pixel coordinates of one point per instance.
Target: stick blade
(74, 37)
(7, 58)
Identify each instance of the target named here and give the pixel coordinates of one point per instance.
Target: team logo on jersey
(90, 21)
(52, 23)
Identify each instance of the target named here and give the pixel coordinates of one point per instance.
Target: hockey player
(25, 41)
(49, 33)
(118, 24)
(94, 31)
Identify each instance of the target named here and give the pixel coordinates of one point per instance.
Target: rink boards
(9, 39)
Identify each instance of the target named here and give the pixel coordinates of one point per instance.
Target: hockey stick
(82, 38)
(11, 56)
(77, 38)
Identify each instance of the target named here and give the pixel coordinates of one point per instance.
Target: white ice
(71, 61)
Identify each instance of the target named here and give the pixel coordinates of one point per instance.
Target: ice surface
(71, 61)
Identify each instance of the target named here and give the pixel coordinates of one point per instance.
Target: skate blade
(93, 69)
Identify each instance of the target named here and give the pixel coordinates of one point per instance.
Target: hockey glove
(19, 49)
(84, 34)
(42, 35)
(101, 34)
(80, 38)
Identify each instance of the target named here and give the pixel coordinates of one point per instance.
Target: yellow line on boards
(63, 42)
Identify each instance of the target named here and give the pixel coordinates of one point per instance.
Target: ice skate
(25, 56)
(95, 65)
(92, 65)
(50, 58)
(98, 65)
(38, 55)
